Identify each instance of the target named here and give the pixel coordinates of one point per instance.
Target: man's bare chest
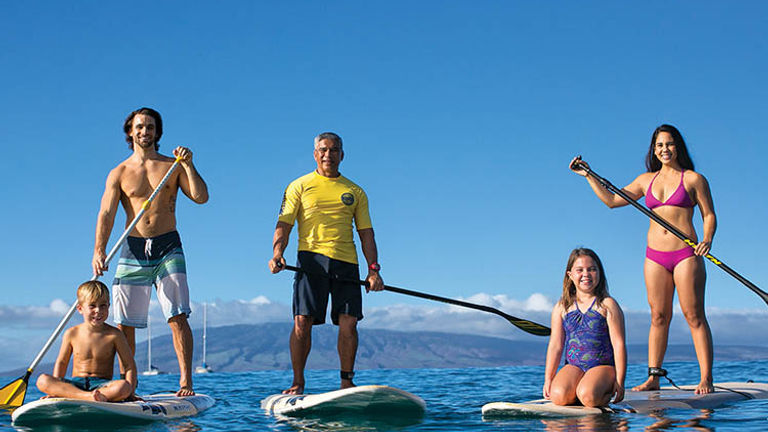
(141, 183)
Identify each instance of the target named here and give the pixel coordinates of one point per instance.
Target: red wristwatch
(374, 266)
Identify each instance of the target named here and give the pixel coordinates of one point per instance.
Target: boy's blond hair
(92, 291)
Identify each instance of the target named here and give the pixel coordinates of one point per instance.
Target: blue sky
(459, 119)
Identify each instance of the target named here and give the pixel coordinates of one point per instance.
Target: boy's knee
(43, 381)
(125, 389)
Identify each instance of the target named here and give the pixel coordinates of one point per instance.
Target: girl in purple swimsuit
(672, 189)
(589, 325)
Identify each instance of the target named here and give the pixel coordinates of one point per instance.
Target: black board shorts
(325, 276)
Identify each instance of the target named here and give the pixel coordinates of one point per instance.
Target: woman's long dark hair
(652, 163)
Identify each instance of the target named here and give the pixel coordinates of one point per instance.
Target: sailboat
(151, 369)
(204, 368)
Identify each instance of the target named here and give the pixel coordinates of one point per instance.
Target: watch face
(375, 267)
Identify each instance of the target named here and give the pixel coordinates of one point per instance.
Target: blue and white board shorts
(144, 262)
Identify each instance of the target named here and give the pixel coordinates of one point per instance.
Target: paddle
(524, 325)
(12, 395)
(606, 184)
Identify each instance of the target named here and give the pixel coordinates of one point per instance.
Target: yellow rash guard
(325, 208)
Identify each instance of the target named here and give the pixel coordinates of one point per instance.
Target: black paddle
(606, 184)
(524, 325)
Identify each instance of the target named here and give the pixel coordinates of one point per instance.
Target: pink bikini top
(679, 198)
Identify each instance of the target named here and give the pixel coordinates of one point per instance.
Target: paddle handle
(669, 227)
(110, 255)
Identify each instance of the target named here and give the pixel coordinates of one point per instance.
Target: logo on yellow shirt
(347, 198)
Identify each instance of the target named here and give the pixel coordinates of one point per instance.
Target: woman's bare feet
(652, 383)
(185, 391)
(704, 387)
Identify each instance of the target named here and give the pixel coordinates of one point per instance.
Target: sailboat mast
(149, 343)
(205, 330)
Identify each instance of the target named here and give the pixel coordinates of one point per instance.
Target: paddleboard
(367, 399)
(65, 410)
(636, 402)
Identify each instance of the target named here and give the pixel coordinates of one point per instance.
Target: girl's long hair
(569, 289)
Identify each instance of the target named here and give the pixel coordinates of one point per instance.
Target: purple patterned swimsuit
(587, 341)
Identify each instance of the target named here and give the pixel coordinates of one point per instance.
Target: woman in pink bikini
(672, 189)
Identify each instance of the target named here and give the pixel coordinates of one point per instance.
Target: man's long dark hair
(128, 125)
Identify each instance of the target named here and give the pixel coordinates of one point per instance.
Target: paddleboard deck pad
(71, 411)
(636, 402)
(367, 399)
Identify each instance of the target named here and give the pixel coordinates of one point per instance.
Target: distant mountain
(265, 346)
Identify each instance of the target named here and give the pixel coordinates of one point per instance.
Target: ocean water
(454, 398)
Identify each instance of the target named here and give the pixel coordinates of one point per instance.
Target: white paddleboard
(367, 399)
(65, 410)
(636, 402)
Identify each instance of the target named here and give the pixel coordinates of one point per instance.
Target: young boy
(92, 345)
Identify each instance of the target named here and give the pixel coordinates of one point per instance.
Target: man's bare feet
(652, 383)
(704, 387)
(98, 397)
(185, 391)
(295, 389)
(347, 384)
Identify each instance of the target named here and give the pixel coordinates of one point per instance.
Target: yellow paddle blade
(12, 395)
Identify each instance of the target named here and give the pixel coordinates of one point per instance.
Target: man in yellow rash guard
(325, 203)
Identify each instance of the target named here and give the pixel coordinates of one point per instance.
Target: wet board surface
(636, 402)
(69, 411)
(367, 399)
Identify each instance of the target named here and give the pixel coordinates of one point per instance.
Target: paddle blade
(12, 395)
(530, 327)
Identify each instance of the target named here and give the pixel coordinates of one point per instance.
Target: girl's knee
(589, 397)
(559, 396)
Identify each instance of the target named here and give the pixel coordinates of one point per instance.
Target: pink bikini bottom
(668, 260)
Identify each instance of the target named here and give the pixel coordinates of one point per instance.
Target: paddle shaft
(656, 218)
(525, 325)
(109, 257)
